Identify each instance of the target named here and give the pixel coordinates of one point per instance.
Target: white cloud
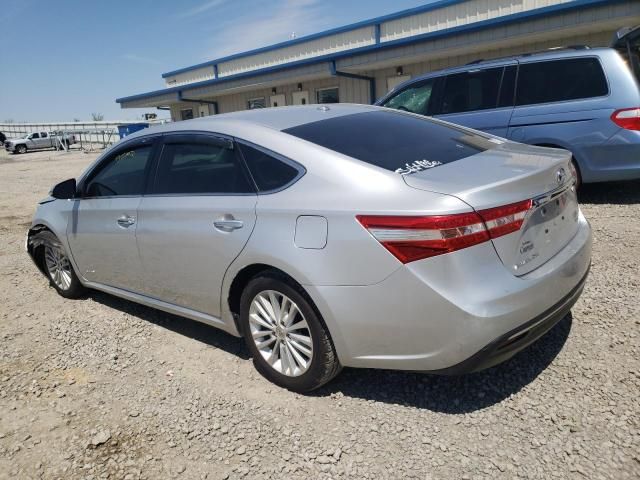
(132, 57)
(268, 26)
(202, 8)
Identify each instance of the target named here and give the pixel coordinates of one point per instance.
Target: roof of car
(280, 118)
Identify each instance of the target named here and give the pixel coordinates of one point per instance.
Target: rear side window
(394, 141)
(560, 80)
(123, 174)
(268, 172)
(200, 168)
(415, 98)
(472, 90)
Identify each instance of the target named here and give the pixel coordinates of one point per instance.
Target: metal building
(360, 62)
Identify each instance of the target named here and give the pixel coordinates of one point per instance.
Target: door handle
(227, 223)
(126, 221)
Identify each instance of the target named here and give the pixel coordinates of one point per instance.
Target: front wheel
(288, 341)
(20, 149)
(57, 266)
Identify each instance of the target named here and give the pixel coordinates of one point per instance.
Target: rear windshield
(394, 141)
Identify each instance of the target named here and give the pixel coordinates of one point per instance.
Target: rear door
(196, 219)
(563, 102)
(102, 230)
(479, 98)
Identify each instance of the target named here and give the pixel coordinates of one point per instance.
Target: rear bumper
(453, 313)
(507, 345)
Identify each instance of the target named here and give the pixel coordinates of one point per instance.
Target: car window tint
(35, 135)
(394, 141)
(193, 168)
(43, 134)
(123, 174)
(268, 172)
(560, 80)
(473, 90)
(414, 99)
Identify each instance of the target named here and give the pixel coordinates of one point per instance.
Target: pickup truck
(38, 141)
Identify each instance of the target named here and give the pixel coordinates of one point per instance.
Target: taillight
(411, 238)
(627, 118)
(506, 219)
(414, 238)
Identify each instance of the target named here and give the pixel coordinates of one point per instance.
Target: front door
(195, 221)
(300, 98)
(278, 100)
(480, 98)
(102, 230)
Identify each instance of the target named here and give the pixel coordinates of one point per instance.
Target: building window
(327, 95)
(253, 103)
(186, 114)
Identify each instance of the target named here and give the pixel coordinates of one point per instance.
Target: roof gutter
(372, 81)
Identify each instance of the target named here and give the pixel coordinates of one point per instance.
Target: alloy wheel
(58, 266)
(281, 333)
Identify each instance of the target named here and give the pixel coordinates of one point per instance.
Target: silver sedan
(328, 236)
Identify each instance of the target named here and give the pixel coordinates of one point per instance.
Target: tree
(97, 117)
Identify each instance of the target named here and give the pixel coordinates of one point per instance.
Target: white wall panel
(457, 15)
(322, 46)
(191, 76)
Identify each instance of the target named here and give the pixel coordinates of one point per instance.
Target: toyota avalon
(328, 236)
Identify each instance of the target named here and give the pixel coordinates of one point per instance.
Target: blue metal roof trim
(539, 12)
(325, 33)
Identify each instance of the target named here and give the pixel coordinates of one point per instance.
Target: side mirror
(64, 190)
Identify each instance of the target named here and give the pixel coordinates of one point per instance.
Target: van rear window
(394, 141)
(560, 80)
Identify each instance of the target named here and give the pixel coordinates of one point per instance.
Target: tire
(57, 266)
(288, 370)
(578, 175)
(20, 149)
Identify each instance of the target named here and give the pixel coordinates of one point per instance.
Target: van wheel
(20, 149)
(578, 176)
(288, 340)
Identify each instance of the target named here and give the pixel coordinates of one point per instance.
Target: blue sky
(66, 59)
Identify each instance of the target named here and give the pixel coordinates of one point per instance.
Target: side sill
(165, 307)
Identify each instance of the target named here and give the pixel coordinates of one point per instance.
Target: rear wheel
(288, 341)
(576, 173)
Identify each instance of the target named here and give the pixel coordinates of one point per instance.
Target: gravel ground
(104, 388)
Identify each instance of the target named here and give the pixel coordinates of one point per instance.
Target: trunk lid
(509, 173)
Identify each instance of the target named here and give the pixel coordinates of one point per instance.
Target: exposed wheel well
(34, 248)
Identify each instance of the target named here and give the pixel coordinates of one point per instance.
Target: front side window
(560, 80)
(254, 103)
(473, 90)
(123, 174)
(200, 168)
(414, 99)
(268, 172)
(186, 114)
(34, 136)
(328, 95)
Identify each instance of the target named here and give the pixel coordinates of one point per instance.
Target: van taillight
(627, 118)
(411, 238)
